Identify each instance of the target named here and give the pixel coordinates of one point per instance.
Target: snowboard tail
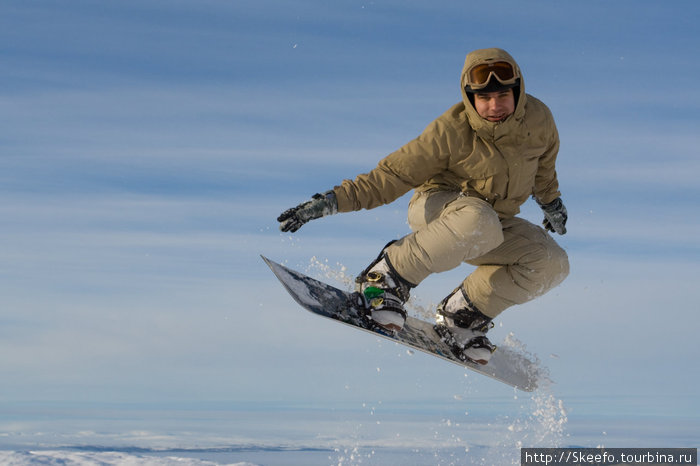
(506, 365)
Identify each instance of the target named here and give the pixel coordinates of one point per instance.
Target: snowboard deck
(506, 365)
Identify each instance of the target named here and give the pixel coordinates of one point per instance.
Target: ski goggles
(478, 76)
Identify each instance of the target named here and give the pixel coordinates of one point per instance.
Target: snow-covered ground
(48, 457)
(465, 432)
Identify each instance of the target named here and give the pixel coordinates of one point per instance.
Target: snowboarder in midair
(471, 170)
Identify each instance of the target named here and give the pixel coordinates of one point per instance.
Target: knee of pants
(466, 228)
(561, 259)
(550, 263)
(476, 227)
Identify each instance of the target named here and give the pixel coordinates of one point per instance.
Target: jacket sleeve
(546, 183)
(401, 171)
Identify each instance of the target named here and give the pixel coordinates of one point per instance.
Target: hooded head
(491, 70)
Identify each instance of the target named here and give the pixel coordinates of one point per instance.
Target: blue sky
(146, 148)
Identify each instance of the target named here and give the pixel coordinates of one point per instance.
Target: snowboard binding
(358, 303)
(477, 343)
(383, 293)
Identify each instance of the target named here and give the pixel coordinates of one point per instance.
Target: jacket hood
(488, 55)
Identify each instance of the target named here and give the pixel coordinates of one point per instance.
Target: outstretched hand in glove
(319, 206)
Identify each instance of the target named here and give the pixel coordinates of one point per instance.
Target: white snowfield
(66, 458)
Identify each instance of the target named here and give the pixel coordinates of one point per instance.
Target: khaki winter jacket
(502, 163)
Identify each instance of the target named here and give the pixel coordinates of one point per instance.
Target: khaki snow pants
(516, 260)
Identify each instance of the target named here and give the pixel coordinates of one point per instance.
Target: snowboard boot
(462, 326)
(384, 292)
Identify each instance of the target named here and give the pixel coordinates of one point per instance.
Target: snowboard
(506, 365)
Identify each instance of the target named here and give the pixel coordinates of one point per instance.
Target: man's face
(495, 106)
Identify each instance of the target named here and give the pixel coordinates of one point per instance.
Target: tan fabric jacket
(503, 163)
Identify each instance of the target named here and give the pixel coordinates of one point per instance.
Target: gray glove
(319, 206)
(555, 216)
